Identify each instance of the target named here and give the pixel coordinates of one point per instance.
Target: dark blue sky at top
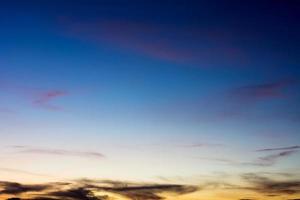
(65, 44)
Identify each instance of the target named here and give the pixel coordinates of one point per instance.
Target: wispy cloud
(272, 158)
(58, 152)
(94, 190)
(267, 185)
(280, 148)
(36, 96)
(271, 90)
(200, 145)
(241, 103)
(185, 45)
(261, 161)
(23, 172)
(44, 98)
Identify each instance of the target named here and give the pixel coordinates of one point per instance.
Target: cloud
(268, 186)
(150, 191)
(17, 188)
(58, 152)
(262, 161)
(280, 148)
(250, 102)
(272, 90)
(243, 101)
(88, 189)
(200, 145)
(75, 193)
(247, 199)
(183, 45)
(44, 99)
(272, 158)
(94, 190)
(220, 160)
(21, 172)
(38, 97)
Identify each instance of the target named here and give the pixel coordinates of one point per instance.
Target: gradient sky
(197, 93)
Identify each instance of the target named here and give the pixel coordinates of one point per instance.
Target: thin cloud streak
(18, 171)
(262, 161)
(44, 99)
(38, 97)
(279, 149)
(271, 90)
(160, 42)
(271, 159)
(58, 152)
(200, 145)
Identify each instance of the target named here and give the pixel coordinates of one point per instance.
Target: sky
(149, 100)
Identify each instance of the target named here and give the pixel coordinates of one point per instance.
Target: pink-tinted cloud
(186, 45)
(45, 98)
(200, 145)
(38, 97)
(272, 90)
(242, 101)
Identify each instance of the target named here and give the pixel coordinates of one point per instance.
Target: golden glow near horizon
(230, 194)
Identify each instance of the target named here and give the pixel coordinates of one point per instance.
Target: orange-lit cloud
(252, 186)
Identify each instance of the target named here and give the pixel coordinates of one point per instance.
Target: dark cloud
(269, 186)
(246, 199)
(280, 148)
(262, 161)
(75, 193)
(59, 152)
(16, 188)
(272, 158)
(152, 191)
(87, 189)
(144, 191)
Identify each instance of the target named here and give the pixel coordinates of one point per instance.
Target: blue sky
(203, 84)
